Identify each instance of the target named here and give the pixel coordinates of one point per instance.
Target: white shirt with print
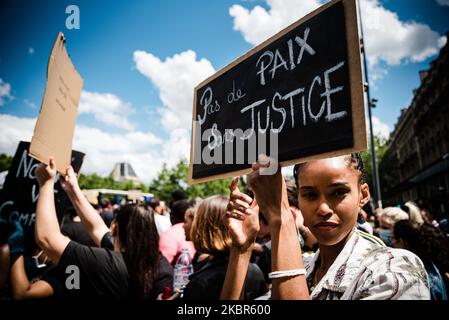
(365, 270)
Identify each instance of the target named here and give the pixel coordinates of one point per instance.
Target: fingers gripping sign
(45, 173)
(70, 181)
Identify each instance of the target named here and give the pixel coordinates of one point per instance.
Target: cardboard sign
(18, 198)
(297, 96)
(53, 133)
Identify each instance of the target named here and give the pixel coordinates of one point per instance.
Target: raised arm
(271, 195)
(48, 235)
(242, 221)
(89, 216)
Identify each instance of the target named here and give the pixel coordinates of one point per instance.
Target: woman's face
(188, 220)
(330, 198)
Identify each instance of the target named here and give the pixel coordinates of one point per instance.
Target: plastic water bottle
(183, 269)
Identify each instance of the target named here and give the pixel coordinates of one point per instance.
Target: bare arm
(242, 221)
(271, 194)
(89, 216)
(4, 264)
(21, 286)
(235, 275)
(286, 255)
(48, 235)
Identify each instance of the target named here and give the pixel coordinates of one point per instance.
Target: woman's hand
(242, 218)
(270, 189)
(70, 181)
(46, 173)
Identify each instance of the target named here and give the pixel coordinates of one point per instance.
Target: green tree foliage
(94, 181)
(5, 162)
(170, 180)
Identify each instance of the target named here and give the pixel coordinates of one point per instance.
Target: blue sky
(141, 59)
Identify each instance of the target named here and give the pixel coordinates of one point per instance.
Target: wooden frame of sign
(355, 94)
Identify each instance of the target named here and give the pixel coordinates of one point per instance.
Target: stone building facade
(416, 164)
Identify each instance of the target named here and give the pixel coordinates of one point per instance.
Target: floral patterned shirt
(365, 270)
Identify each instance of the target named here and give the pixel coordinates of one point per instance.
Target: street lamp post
(371, 104)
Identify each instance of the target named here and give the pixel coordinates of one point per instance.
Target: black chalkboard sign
(18, 198)
(295, 97)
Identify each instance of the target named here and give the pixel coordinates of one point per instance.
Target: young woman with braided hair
(346, 266)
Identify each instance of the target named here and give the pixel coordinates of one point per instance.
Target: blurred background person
(213, 241)
(387, 219)
(75, 230)
(163, 222)
(431, 246)
(174, 240)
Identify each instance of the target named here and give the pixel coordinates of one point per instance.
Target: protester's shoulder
(76, 252)
(370, 238)
(173, 232)
(380, 259)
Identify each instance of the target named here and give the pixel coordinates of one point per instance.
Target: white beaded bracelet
(287, 273)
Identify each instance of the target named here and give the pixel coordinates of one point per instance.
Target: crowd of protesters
(308, 238)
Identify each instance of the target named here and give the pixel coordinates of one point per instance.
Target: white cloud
(387, 38)
(258, 24)
(380, 128)
(106, 108)
(30, 104)
(14, 129)
(175, 79)
(177, 147)
(443, 2)
(102, 149)
(393, 41)
(5, 92)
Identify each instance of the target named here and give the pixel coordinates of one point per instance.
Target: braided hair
(353, 159)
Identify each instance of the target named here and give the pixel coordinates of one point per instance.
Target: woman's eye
(309, 195)
(340, 192)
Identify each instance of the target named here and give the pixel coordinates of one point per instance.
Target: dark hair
(179, 208)
(292, 194)
(104, 204)
(426, 241)
(71, 212)
(140, 240)
(178, 195)
(154, 203)
(408, 232)
(354, 159)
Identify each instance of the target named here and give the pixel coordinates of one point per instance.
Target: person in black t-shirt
(75, 230)
(128, 263)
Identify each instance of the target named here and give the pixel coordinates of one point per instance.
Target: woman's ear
(365, 194)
